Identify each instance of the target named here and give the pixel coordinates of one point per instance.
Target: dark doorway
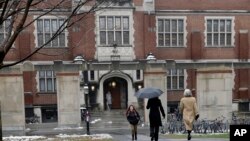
(118, 89)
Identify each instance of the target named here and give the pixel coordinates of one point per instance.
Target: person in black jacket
(133, 118)
(155, 106)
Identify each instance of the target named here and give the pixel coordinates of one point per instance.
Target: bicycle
(33, 119)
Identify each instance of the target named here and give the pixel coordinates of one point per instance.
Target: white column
(214, 93)
(12, 99)
(68, 94)
(156, 77)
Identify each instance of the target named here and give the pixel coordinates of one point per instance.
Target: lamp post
(86, 93)
(86, 115)
(150, 57)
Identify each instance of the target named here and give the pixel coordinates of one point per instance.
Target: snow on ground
(30, 138)
(68, 128)
(96, 120)
(94, 136)
(23, 138)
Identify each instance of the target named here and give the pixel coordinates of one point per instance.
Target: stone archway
(118, 88)
(130, 90)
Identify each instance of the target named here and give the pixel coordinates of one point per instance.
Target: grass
(182, 136)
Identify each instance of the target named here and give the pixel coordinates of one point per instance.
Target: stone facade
(215, 87)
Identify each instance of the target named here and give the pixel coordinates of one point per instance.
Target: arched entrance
(118, 89)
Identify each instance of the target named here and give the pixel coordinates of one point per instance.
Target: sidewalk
(118, 133)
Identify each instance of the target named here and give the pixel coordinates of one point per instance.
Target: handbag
(134, 119)
(197, 116)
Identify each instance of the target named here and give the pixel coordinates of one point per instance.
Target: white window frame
(114, 30)
(53, 77)
(4, 32)
(184, 30)
(232, 31)
(169, 74)
(119, 13)
(51, 18)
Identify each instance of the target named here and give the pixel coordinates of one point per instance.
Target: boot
(189, 135)
(135, 136)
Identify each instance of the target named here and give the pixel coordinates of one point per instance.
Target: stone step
(110, 119)
(113, 112)
(102, 119)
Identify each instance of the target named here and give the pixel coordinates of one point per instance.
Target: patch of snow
(94, 121)
(94, 136)
(68, 128)
(30, 138)
(23, 138)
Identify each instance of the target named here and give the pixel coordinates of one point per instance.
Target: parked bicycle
(33, 119)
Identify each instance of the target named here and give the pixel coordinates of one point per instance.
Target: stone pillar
(214, 93)
(131, 93)
(155, 76)
(68, 93)
(12, 99)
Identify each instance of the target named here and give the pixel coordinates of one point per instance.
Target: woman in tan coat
(188, 108)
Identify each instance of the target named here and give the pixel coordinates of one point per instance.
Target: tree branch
(66, 24)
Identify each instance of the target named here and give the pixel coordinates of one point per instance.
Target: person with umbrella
(189, 110)
(155, 106)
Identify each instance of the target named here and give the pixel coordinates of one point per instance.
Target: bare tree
(14, 15)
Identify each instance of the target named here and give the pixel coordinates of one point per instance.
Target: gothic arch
(130, 89)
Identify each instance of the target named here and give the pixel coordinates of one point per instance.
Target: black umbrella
(148, 92)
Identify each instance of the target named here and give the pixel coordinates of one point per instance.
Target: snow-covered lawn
(61, 137)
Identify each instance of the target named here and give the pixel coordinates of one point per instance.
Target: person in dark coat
(133, 118)
(155, 106)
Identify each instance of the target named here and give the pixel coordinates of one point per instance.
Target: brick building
(206, 40)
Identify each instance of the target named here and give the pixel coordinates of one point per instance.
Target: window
(138, 74)
(175, 79)
(92, 75)
(47, 81)
(114, 29)
(244, 106)
(4, 29)
(46, 29)
(170, 32)
(219, 32)
(114, 1)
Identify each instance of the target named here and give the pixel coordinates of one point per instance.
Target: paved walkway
(118, 133)
(123, 134)
(146, 138)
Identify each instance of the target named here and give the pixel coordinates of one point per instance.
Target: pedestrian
(155, 106)
(109, 100)
(189, 110)
(133, 118)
